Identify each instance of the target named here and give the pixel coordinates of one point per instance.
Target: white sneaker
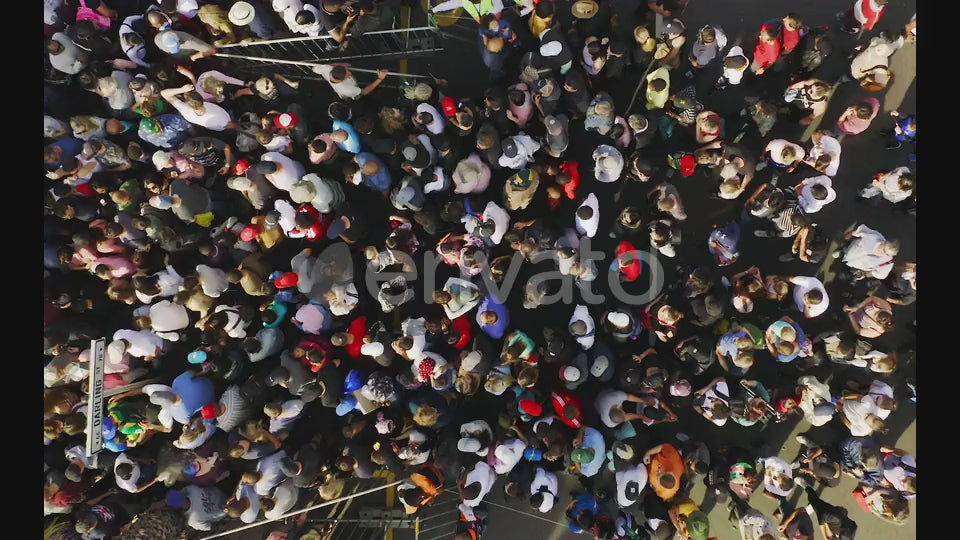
(683, 437)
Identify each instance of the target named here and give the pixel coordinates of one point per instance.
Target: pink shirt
(119, 266)
(853, 125)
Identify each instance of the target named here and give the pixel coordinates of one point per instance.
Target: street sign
(95, 398)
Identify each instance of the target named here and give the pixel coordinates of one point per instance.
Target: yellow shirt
(538, 24)
(657, 100)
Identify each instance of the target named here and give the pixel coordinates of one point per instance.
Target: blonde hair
(426, 416)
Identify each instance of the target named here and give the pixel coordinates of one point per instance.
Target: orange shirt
(668, 460)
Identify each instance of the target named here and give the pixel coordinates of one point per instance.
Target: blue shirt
(195, 392)
(496, 329)
(594, 440)
(727, 345)
(851, 457)
(778, 327)
(906, 134)
(584, 501)
(352, 144)
(271, 342)
(380, 181)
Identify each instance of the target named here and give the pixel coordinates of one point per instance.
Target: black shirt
(206, 151)
(330, 21)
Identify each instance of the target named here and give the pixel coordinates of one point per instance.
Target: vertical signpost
(95, 399)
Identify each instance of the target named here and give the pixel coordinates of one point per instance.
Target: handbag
(86, 14)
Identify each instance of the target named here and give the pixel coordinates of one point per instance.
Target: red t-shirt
(791, 38)
(357, 329)
(571, 168)
(765, 54)
(630, 271)
(462, 325)
(560, 399)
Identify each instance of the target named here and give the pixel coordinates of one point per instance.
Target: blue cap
(533, 454)
(190, 470)
(174, 498)
(197, 357)
(348, 404)
(353, 382)
(109, 428)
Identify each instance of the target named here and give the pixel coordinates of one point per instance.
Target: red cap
(449, 106)
(241, 166)
(530, 407)
(286, 281)
(209, 412)
(687, 165)
(285, 120)
(249, 233)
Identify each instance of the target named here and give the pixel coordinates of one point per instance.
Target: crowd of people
(219, 230)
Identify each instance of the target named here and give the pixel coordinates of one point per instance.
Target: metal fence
(324, 49)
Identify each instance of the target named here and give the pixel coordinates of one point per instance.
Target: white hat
(470, 361)
(241, 13)
(303, 192)
(611, 163)
(161, 159)
(618, 319)
(239, 183)
(729, 171)
(600, 365)
(570, 374)
(372, 349)
(469, 445)
(551, 48)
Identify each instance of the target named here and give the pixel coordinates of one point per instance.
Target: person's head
(744, 360)
(471, 491)
(909, 485)
(544, 9)
(890, 248)
(235, 507)
(272, 409)
(813, 297)
(585, 213)
(666, 204)
(669, 314)
(668, 480)
(788, 154)
(884, 318)
(786, 348)
(785, 482)
(819, 192)
(768, 34)
(338, 74)
(426, 416)
(123, 471)
(875, 423)
(720, 410)
(586, 519)
(488, 317)
(305, 17)
(708, 35)
(885, 364)
(869, 458)
(658, 85)
(818, 90)
(617, 415)
(578, 328)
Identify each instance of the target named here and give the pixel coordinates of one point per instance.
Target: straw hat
(584, 9)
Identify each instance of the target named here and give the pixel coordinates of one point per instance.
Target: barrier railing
(324, 49)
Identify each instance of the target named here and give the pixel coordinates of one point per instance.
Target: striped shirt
(784, 221)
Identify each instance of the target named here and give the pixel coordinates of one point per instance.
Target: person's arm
(816, 453)
(656, 8)
(340, 34)
(185, 71)
(644, 354)
(203, 54)
(578, 440)
(651, 452)
(170, 93)
(381, 75)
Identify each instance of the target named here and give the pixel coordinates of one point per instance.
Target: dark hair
(305, 17)
(338, 73)
(585, 519)
(658, 85)
(471, 490)
(318, 145)
(304, 220)
(124, 471)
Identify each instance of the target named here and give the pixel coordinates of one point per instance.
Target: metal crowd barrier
(324, 49)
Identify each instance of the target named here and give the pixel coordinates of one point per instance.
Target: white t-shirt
(141, 343)
(416, 330)
(894, 472)
(289, 411)
(581, 313)
(508, 454)
(772, 467)
(802, 285)
(271, 475)
(346, 89)
(808, 203)
(500, 218)
(890, 185)
(212, 280)
(291, 171)
(638, 474)
(247, 491)
(165, 316)
(607, 399)
(214, 117)
(856, 412)
(486, 476)
(284, 498)
(828, 145)
(707, 404)
(131, 484)
(435, 127)
(588, 227)
(776, 147)
(206, 506)
(860, 254)
(549, 483)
